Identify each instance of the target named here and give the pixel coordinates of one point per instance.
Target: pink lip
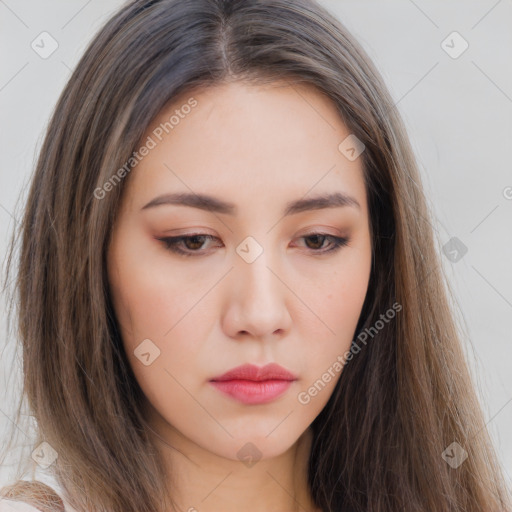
(251, 384)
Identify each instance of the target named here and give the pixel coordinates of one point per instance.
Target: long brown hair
(400, 402)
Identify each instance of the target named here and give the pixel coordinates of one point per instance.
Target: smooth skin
(258, 147)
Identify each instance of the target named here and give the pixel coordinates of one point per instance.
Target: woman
(229, 293)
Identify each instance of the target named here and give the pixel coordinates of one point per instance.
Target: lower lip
(253, 392)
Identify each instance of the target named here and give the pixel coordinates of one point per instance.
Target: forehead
(227, 139)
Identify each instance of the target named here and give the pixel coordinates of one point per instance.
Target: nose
(257, 299)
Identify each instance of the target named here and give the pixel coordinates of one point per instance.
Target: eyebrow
(215, 205)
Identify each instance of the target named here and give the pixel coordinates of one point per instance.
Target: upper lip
(271, 371)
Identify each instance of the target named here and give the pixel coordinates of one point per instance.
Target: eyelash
(171, 243)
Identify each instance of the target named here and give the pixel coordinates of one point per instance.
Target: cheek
(344, 300)
(337, 300)
(161, 333)
(154, 303)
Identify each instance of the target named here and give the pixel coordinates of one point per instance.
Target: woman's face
(263, 281)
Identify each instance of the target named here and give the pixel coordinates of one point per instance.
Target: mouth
(251, 384)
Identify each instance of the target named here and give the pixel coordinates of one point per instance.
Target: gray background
(458, 112)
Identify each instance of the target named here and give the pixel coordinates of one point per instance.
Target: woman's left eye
(176, 243)
(336, 241)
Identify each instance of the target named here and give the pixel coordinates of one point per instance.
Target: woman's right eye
(192, 243)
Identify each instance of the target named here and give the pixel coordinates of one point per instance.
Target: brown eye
(192, 244)
(318, 240)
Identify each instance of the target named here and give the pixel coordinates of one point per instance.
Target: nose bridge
(256, 267)
(258, 293)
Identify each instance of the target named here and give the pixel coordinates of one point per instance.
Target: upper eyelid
(209, 236)
(318, 231)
